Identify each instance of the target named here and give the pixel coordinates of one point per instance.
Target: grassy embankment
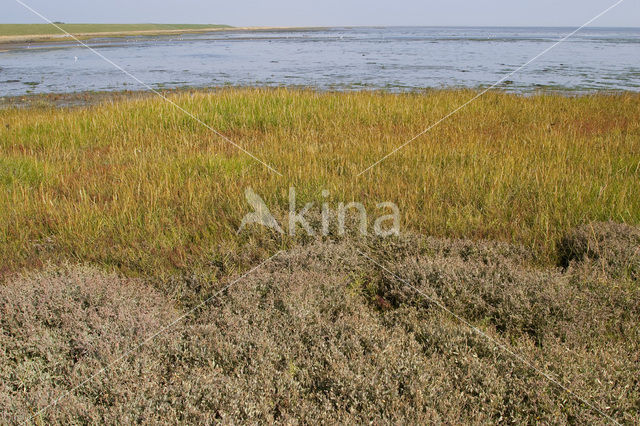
(15, 33)
(48, 29)
(139, 187)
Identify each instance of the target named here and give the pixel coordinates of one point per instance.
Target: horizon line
(320, 26)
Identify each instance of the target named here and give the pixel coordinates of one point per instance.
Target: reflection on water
(394, 59)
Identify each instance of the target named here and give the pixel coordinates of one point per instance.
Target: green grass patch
(48, 29)
(140, 187)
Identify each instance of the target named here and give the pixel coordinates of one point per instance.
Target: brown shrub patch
(61, 327)
(320, 334)
(613, 247)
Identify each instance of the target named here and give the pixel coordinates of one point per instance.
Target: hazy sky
(329, 12)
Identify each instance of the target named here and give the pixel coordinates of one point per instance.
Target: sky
(329, 12)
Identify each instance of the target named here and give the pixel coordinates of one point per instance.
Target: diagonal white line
(494, 341)
(26, 6)
(571, 34)
(149, 339)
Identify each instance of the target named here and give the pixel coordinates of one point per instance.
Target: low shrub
(612, 246)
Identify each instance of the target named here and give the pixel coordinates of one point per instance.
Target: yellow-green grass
(138, 186)
(48, 29)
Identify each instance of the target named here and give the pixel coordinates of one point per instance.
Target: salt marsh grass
(139, 187)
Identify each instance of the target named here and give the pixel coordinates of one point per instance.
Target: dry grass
(320, 334)
(139, 187)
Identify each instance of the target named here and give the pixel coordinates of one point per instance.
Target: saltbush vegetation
(323, 333)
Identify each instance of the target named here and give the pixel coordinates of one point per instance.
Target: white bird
(75, 59)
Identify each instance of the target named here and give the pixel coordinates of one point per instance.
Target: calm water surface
(395, 59)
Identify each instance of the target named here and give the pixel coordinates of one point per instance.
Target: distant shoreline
(8, 42)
